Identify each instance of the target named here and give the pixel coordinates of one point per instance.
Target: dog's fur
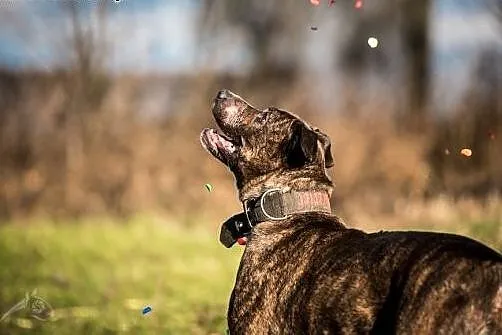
(311, 274)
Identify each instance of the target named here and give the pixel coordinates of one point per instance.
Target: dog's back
(445, 284)
(312, 275)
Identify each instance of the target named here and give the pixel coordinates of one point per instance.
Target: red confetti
(315, 2)
(331, 2)
(358, 4)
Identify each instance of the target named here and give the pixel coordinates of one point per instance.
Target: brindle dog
(304, 272)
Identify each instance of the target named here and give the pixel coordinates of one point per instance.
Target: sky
(160, 36)
(34, 32)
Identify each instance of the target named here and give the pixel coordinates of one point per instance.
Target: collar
(271, 205)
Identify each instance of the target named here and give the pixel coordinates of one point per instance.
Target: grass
(99, 275)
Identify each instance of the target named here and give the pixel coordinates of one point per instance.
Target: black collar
(271, 205)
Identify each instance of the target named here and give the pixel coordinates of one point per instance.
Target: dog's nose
(222, 94)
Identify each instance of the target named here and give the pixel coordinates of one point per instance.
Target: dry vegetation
(77, 142)
(70, 151)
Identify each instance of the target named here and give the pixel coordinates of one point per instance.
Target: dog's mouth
(219, 144)
(230, 112)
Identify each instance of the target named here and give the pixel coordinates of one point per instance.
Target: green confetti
(209, 187)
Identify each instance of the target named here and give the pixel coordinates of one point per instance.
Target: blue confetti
(147, 310)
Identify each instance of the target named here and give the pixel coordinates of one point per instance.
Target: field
(98, 276)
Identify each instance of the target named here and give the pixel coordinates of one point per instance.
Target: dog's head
(267, 148)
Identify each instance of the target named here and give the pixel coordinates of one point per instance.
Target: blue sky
(160, 36)
(158, 33)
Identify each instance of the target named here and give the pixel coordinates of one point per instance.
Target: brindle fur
(310, 274)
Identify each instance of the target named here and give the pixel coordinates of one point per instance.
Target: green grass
(98, 277)
(489, 232)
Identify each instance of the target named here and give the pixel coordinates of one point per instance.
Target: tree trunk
(415, 40)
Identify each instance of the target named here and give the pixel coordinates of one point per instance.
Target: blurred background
(102, 200)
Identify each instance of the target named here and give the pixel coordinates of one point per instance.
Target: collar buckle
(262, 207)
(250, 205)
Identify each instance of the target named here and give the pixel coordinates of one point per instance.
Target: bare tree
(415, 40)
(496, 7)
(85, 90)
(272, 26)
(410, 20)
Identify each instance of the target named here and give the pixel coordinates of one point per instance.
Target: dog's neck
(301, 181)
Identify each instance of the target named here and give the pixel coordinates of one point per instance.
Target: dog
(303, 271)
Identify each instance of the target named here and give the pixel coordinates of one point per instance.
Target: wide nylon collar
(271, 205)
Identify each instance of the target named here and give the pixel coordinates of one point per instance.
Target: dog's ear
(301, 147)
(326, 145)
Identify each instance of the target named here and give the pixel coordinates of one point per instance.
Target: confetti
(358, 4)
(446, 151)
(315, 2)
(331, 2)
(491, 135)
(147, 310)
(208, 187)
(373, 42)
(466, 152)
(313, 28)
